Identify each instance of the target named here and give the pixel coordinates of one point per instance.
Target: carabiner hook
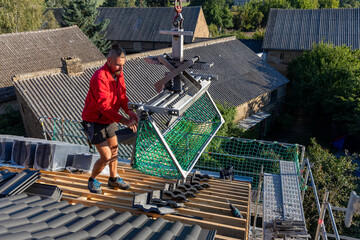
(178, 6)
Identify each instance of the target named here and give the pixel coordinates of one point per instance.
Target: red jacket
(105, 97)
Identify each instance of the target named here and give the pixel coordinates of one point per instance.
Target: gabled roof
(41, 50)
(243, 76)
(298, 29)
(144, 24)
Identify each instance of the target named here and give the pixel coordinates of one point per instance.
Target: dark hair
(116, 51)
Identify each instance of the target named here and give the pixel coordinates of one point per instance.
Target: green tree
(49, 21)
(83, 13)
(159, 3)
(335, 175)
(305, 4)
(217, 12)
(326, 82)
(328, 3)
(119, 3)
(349, 3)
(248, 17)
(56, 3)
(20, 16)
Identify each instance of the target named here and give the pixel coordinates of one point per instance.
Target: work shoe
(94, 186)
(118, 183)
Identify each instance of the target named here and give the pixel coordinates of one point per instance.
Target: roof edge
(51, 71)
(40, 31)
(187, 46)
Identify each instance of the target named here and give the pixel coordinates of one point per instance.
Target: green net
(187, 137)
(247, 156)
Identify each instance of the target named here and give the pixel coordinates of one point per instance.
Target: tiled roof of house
(243, 76)
(144, 24)
(299, 29)
(31, 217)
(35, 218)
(255, 45)
(41, 50)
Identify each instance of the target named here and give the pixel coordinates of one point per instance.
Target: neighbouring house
(289, 32)
(38, 51)
(246, 82)
(137, 29)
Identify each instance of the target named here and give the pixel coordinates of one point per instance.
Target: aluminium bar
(333, 223)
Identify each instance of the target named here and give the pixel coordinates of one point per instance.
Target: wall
(31, 123)
(280, 59)
(201, 29)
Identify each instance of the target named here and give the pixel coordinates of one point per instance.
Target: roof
(144, 24)
(209, 210)
(299, 29)
(30, 217)
(255, 45)
(26, 52)
(243, 76)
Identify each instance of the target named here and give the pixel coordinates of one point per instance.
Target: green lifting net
(246, 156)
(172, 152)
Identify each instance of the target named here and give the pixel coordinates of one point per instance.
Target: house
(245, 81)
(137, 29)
(289, 32)
(38, 51)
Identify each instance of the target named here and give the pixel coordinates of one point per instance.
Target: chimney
(72, 65)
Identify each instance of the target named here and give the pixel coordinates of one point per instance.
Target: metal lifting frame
(178, 89)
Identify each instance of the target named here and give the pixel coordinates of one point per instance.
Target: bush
(11, 123)
(213, 30)
(335, 175)
(259, 34)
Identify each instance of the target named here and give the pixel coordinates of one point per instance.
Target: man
(107, 93)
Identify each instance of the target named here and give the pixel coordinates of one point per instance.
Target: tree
(20, 16)
(328, 3)
(217, 12)
(326, 82)
(159, 3)
(56, 3)
(83, 13)
(335, 175)
(248, 17)
(305, 4)
(349, 3)
(49, 21)
(119, 3)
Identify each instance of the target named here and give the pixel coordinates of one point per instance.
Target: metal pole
(305, 183)
(321, 216)
(315, 193)
(333, 223)
(258, 199)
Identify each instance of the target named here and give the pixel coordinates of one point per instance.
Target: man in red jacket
(107, 93)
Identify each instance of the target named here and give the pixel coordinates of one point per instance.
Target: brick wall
(31, 123)
(201, 29)
(280, 59)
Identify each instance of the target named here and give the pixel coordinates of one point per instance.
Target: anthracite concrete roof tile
(64, 221)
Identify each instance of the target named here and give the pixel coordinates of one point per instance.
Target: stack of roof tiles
(24, 217)
(15, 183)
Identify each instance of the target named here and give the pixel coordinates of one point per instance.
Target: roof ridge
(52, 71)
(39, 31)
(187, 46)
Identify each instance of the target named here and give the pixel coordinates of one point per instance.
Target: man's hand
(133, 115)
(132, 124)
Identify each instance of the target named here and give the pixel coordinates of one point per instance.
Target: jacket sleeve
(101, 93)
(124, 98)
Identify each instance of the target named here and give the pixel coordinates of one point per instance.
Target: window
(282, 56)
